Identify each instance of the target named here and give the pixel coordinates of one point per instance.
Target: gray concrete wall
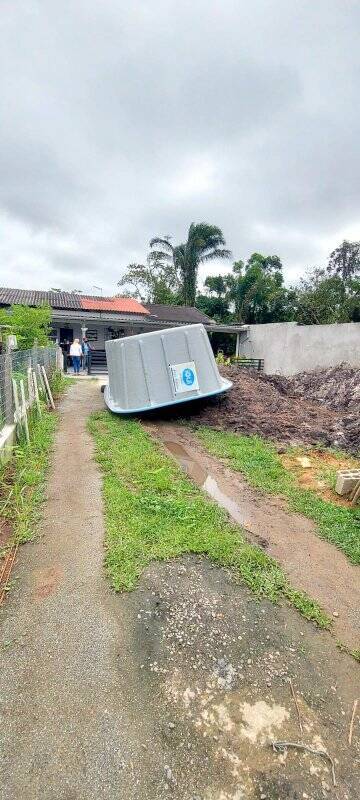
(288, 348)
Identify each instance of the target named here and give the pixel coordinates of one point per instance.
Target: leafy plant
(28, 324)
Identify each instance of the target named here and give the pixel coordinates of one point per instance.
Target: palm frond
(159, 255)
(164, 242)
(217, 252)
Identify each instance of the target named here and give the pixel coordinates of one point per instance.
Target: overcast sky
(121, 120)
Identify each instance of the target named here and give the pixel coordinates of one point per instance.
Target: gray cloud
(120, 121)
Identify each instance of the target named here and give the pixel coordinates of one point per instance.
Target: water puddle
(205, 480)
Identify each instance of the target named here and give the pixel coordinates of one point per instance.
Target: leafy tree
(324, 299)
(156, 281)
(345, 260)
(216, 308)
(266, 263)
(353, 300)
(215, 303)
(257, 290)
(216, 284)
(28, 324)
(204, 243)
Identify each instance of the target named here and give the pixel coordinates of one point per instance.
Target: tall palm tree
(204, 243)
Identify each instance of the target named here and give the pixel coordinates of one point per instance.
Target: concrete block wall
(287, 347)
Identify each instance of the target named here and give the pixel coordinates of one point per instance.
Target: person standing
(86, 350)
(75, 354)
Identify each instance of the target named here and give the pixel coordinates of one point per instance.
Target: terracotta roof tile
(126, 305)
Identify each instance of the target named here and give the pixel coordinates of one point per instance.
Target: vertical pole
(36, 392)
(34, 354)
(47, 386)
(8, 394)
(59, 359)
(24, 413)
(237, 349)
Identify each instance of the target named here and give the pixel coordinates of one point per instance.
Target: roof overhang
(136, 320)
(79, 315)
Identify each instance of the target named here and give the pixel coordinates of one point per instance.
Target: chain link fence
(15, 365)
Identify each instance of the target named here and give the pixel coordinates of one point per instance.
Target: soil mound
(312, 408)
(337, 387)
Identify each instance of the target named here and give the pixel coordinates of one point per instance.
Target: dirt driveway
(174, 690)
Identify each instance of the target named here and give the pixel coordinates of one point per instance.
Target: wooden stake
(20, 409)
(42, 384)
(356, 494)
(30, 386)
(23, 400)
(17, 415)
(48, 388)
(36, 393)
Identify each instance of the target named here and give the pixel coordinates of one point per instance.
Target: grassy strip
(259, 462)
(154, 512)
(22, 479)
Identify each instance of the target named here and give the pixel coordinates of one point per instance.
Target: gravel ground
(174, 690)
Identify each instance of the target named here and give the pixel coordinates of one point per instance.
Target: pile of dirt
(337, 387)
(307, 409)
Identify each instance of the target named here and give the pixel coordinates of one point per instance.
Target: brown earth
(312, 564)
(176, 689)
(281, 409)
(321, 464)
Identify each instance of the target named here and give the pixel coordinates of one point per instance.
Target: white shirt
(75, 349)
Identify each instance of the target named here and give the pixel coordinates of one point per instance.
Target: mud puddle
(311, 563)
(205, 480)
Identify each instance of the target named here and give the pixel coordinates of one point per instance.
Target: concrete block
(346, 480)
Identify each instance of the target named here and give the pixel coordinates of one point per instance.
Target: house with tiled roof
(75, 315)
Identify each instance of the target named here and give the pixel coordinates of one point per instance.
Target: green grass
(154, 512)
(260, 464)
(59, 382)
(22, 479)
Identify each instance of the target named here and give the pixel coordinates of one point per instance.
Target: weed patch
(22, 480)
(154, 512)
(259, 462)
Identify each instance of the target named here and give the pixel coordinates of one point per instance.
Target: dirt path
(312, 564)
(174, 690)
(69, 707)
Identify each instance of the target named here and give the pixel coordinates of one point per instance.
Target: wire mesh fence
(15, 366)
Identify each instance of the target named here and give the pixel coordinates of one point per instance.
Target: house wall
(288, 348)
(100, 328)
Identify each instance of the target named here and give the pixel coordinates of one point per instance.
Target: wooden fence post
(8, 395)
(48, 390)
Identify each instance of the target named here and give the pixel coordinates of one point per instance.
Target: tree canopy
(254, 291)
(171, 271)
(28, 324)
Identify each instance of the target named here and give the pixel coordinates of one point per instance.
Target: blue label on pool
(188, 376)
